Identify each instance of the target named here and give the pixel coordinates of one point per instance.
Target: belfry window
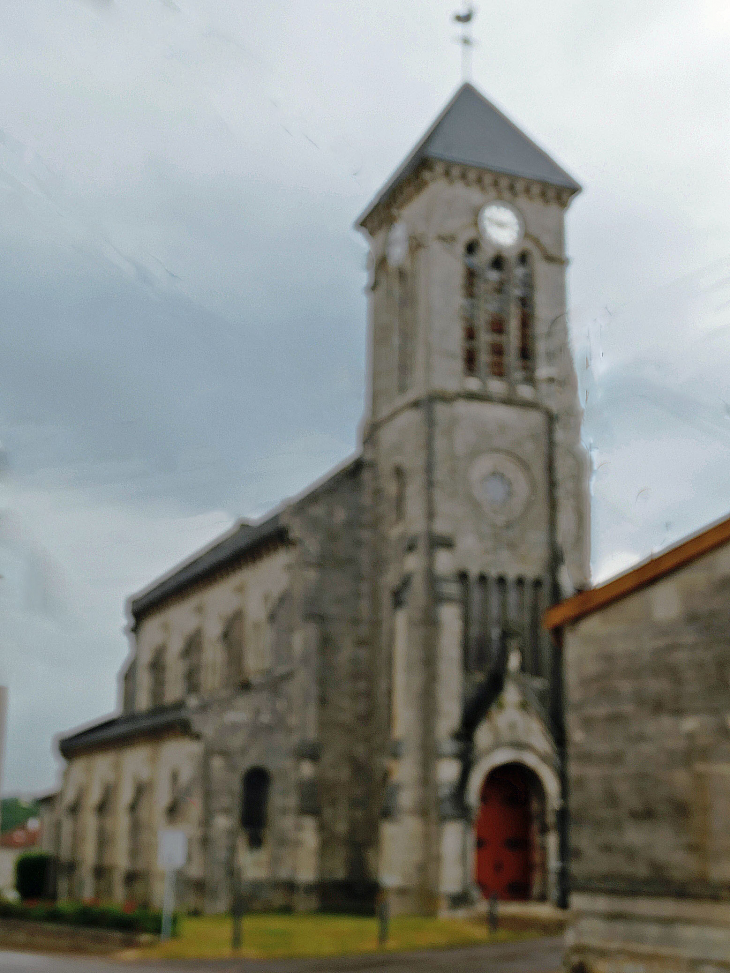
(470, 344)
(254, 804)
(496, 308)
(525, 313)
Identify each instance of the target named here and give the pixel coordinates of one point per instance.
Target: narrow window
(535, 628)
(519, 622)
(525, 314)
(136, 826)
(465, 621)
(232, 639)
(405, 337)
(192, 657)
(542, 643)
(157, 677)
(482, 647)
(398, 660)
(173, 805)
(400, 494)
(501, 615)
(104, 849)
(470, 345)
(129, 687)
(76, 845)
(137, 885)
(254, 804)
(496, 316)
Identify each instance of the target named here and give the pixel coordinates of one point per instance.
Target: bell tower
(476, 473)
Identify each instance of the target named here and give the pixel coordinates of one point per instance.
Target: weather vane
(466, 40)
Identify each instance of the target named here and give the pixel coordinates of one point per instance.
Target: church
(356, 692)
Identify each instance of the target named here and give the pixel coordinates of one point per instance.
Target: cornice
(505, 186)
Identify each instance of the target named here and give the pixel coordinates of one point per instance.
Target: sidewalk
(540, 916)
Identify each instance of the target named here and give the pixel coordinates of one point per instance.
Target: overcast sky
(182, 290)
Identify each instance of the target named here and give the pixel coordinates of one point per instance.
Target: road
(532, 956)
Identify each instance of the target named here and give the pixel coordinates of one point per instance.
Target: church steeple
(473, 454)
(471, 131)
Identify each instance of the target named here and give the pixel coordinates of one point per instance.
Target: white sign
(172, 849)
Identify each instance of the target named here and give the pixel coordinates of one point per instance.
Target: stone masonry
(647, 662)
(320, 698)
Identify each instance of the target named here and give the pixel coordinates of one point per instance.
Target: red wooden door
(504, 848)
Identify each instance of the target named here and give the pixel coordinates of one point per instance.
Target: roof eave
(585, 603)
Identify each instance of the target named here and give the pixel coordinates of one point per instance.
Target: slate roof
(119, 728)
(232, 547)
(472, 131)
(237, 544)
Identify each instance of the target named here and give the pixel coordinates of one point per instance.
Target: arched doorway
(510, 857)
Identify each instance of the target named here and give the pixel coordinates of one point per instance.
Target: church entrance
(510, 859)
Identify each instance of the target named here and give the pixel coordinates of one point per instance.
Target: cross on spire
(464, 19)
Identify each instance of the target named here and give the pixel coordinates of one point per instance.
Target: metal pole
(168, 904)
(237, 915)
(492, 913)
(383, 916)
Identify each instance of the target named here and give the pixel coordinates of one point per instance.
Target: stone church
(357, 691)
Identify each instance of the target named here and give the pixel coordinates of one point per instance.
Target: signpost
(172, 853)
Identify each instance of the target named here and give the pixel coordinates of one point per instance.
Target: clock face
(396, 248)
(501, 224)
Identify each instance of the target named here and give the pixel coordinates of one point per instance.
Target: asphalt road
(532, 956)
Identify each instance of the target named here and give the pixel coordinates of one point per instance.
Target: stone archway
(545, 798)
(510, 827)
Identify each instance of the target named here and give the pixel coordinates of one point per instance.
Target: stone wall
(167, 770)
(648, 684)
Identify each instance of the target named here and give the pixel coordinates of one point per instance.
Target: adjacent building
(357, 689)
(647, 667)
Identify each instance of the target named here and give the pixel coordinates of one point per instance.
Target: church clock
(501, 224)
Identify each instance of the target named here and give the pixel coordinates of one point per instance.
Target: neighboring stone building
(647, 663)
(357, 689)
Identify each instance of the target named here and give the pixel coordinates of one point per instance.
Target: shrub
(31, 874)
(87, 915)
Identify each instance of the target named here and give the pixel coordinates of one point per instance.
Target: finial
(466, 40)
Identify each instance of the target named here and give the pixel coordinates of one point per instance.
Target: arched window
(192, 658)
(138, 844)
(399, 506)
(232, 639)
(525, 314)
(470, 343)
(157, 677)
(104, 856)
(404, 322)
(254, 804)
(129, 687)
(496, 308)
(75, 847)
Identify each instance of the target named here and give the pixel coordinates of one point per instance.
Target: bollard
(237, 917)
(383, 909)
(492, 913)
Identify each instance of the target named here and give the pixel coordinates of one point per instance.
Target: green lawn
(314, 935)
